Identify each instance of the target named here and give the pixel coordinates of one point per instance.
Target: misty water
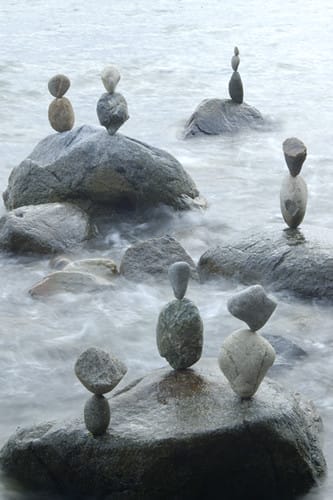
(172, 54)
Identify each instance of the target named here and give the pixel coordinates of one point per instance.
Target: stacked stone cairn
(61, 114)
(111, 109)
(235, 84)
(179, 331)
(245, 355)
(294, 192)
(99, 373)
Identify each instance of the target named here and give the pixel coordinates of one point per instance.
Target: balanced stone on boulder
(177, 434)
(100, 172)
(47, 228)
(295, 153)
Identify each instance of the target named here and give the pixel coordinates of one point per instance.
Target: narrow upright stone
(295, 154)
(235, 60)
(235, 84)
(179, 275)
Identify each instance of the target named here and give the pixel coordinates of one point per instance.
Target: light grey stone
(236, 88)
(98, 371)
(61, 115)
(69, 282)
(179, 334)
(112, 111)
(179, 275)
(47, 228)
(178, 434)
(293, 200)
(59, 262)
(235, 60)
(252, 306)
(97, 415)
(244, 359)
(58, 85)
(89, 167)
(295, 153)
(110, 78)
(104, 268)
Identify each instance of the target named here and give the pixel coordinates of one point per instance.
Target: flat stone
(222, 116)
(293, 200)
(74, 281)
(112, 111)
(58, 85)
(177, 434)
(299, 261)
(295, 153)
(98, 371)
(105, 268)
(97, 415)
(253, 306)
(47, 228)
(179, 334)
(179, 275)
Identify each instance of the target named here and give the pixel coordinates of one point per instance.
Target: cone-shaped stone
(253, 306)
(244, 359)
(110, 78)
(58, 85)
(293, 200)
(295, 153)
(61, 114)
(235, 60)
(236, 88)
(179, 275)
(97, 415)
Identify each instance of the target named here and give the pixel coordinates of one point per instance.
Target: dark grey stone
(112, 111)
(99, 171)
(222, 116)
(293, 260)
(179, 334)
(97, 415)
(152, 258)
(253, 306)
(236, 88)
(47, 228)
(181, 435)
(179, 275)
(295, 153)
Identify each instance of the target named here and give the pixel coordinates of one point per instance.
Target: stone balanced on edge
(61, 114)
(235, 84)
(111, 109)
(294, 192)
(179, 331)
(245, 355)
(99, 373)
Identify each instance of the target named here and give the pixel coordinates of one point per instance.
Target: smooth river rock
(99, 172)
(181, 435)
(70, 281)
(293, 200)
(179, 274)
(47, 228)
(299, 261)
(222, 116)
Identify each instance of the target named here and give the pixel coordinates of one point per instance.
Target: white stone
(110, 78)
(293, 200)
(244, 359)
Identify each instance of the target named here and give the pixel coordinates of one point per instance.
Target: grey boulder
(99, 172)
(222, 116)
(152, 258)
(298, 261)
(177, 434)
(47, 228)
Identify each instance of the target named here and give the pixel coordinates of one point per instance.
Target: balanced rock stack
(245, 355)
(179, 331)
(99, 373)
(111, 109)
(294, 192)
(235, 84)
(61, 114)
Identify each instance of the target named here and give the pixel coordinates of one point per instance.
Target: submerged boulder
(47, 228)
(222, 116)
(293, 260)
(100, 172)
(177, 434)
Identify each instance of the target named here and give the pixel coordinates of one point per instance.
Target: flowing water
(171, 54)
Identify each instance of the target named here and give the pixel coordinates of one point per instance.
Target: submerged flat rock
(97, 171)
(222, 116)
(300, 261)
(177, 434)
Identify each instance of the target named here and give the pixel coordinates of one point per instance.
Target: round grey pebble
(97, 415)
(58, 85)
(179, 275)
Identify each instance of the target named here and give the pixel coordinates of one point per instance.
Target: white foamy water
(172, 54)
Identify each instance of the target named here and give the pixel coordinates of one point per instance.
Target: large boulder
(294, 260)
(151, 259)
(47, 228)
(222, 116)
(177, 434)
(89, 167)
